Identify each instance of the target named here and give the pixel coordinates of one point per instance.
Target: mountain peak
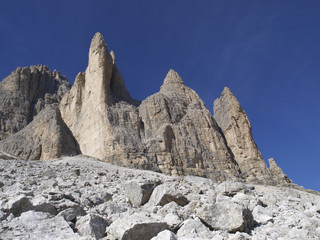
(172, 78)
(97, 42)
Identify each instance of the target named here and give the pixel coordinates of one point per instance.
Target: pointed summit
(97, 43)
(172, 78)
(236, 127)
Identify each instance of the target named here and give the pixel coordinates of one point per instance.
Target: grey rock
(38, 225)
(166, 193)
(24, 93)
(237, 130)
(46, 137)
(231, 188)
(170, 132)
(92, 225)
(262, 215)
(165, 235)
(277, 172)
(194, 228)
(138, 193)
(229, 217)
(18, 205)
(135, 227)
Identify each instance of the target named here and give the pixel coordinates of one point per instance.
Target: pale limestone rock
(231, 188)
(262, 215)
(38, 225)
(166, 193)
(46, 137)
(170, 132)
(226, 216)
(277, 172)
(194, 228)
(138, 193)
(183, 133)
(25, 92)
(236, 128)
(91, 225)
(85, 109)
(135, 227)
(165, 235)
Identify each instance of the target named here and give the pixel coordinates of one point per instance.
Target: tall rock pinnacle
(236, 127)
(85, 108)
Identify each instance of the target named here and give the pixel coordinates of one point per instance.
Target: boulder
(262, 215)
(138, 193)
(194, 228)
(165, 235)
(229, 217)
(135, 227)
(166, 193)
(38, 225)
(91, 225)
(231, 188)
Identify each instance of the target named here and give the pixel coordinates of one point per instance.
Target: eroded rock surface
(47, 200)
(237, 130)
(170, 131)
(46, 137)
(25, 92)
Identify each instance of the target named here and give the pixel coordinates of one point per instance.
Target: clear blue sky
(267, 52)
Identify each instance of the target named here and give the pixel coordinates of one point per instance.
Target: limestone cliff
(171, 131)
(46, 137)
(24, 93)
(237, 130)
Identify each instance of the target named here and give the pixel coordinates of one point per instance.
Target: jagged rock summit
(171, 131)
(25, 92)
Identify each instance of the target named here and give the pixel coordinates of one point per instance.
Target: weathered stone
(237, 130)
(277, 172)
(165, 235)
(91, 225)
(46, 137)
(19, 205)
(24, 93)
(135, 227)
(194, 228)
(262, 215)
(171, 131)
(138, 193)
(231, 188)
(229, 217)
(38, 225)
(166, 193)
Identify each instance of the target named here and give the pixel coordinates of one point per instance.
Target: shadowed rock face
(237, 130)
(46, 137)
(24, 93)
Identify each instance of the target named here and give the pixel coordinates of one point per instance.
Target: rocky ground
(83, 198)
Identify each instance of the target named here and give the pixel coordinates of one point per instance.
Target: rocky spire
(277, 172)
(85, 109)
(236, 127)
(172, 78)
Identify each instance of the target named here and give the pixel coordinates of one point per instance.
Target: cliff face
(237, 130)
(171, 131)
(24, 93)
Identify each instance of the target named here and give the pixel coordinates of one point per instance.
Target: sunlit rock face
(171, 131)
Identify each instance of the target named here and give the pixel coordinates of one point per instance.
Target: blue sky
(267, 52)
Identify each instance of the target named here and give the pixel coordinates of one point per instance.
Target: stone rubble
(51, 200)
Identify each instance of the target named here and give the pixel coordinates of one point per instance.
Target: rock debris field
(82, 198)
